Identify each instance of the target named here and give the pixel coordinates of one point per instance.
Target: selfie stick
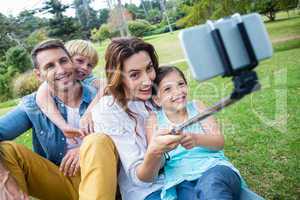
(245, 80)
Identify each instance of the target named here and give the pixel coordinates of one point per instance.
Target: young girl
(198, 165)
(85, 58)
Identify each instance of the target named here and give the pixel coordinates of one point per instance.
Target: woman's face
(138, 76)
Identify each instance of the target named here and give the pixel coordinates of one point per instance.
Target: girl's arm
(159, 142)
(47, 105)
(212, 137)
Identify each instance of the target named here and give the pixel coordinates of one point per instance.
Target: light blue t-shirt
(89, 80)
(188, 165)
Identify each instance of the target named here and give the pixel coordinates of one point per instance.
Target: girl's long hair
(119, 50)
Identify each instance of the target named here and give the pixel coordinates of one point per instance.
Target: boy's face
(172, 92)
(83, 66)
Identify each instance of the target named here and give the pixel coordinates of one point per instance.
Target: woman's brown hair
(117, 52)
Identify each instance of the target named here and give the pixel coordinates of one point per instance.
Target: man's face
(55, 67)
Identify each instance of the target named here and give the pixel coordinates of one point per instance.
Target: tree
(60, 26)
(103, 16)
(5, 41)
(269, 8)
(86, 16)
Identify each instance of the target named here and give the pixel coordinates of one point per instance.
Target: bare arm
(159, 142)
(212, 137)
(47, 105)
(86, 121)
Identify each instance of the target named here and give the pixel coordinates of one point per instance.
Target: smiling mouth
(179, 99)
(147, 90)
(65, 76)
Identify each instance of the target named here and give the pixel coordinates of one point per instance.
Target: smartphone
(202, 55)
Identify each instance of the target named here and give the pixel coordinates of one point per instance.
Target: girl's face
(138, 76)
(172, 92)
(83, 66)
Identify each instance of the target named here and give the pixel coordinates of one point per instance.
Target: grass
(262, 131)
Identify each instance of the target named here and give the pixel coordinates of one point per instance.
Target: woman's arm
(159, 142)
(212, 137)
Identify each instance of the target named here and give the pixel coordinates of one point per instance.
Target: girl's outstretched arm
(212, 137)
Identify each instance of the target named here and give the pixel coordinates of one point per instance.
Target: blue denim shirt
(48, 141)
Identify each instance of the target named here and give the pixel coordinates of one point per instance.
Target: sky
(14, 7)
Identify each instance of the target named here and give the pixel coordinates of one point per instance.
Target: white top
(111, 119)
(73, 118)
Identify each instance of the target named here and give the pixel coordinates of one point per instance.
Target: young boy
(85, 58)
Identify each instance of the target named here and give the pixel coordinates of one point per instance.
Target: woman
(131, 66)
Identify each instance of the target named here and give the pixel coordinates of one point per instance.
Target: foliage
(86, 16)
(36, 37)
(18, 59)
(65, 28)
(270, 7)
(103, 16)
(101, 34)
(25, 83)
(60, 26)
(5, 41)
(139, 27)
(154, 16)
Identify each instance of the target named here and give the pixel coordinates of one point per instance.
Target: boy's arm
(47, 105)
(86, 121)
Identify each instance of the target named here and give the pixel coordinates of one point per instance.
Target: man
(53, 171)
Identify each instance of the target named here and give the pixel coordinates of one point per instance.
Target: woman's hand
(86, 123)
(162, 141)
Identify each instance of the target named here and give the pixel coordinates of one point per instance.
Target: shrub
(25, 83)
(139, 28)
(18, 59)
(101, 34)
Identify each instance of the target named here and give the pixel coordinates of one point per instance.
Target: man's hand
(188, 141)
(70, 163)
(9, 189)
(86, 123)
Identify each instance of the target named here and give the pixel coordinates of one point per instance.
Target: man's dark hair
(46, 45)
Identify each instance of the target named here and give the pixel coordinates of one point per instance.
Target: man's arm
(14, 123)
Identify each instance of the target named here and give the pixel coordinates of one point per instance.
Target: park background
(262, 131)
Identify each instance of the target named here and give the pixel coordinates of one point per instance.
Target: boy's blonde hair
(83, 48)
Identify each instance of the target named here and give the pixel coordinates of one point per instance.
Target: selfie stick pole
(245, 80)
(244, 84)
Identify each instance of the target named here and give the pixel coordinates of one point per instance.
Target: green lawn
(262, 131)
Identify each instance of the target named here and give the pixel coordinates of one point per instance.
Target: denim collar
(86, 95)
